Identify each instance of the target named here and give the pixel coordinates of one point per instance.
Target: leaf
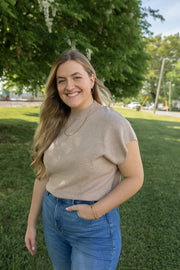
(12, 14)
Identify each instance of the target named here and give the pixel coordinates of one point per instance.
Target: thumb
(33, 245)
(72, 208)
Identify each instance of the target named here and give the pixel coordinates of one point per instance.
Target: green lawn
(150, 221)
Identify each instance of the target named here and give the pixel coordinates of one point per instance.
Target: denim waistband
(69, 201)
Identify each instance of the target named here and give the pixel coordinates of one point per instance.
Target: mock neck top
(78, 118)
(84, 166)
(82, 112)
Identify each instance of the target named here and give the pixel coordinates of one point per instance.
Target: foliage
(163, 47)
(110, 32)
(174, 77)
(149, 221)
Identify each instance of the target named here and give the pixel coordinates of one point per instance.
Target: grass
(150, 221)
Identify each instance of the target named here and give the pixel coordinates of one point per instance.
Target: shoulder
(115, 124)
(112, 117)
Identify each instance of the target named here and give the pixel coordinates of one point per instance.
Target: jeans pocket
(98, 221)
(84, 219)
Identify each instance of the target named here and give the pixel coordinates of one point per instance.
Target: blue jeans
(75, 243)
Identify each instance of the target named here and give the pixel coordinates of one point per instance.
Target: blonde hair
(54, 112)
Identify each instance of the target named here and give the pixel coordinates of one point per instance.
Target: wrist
(31, 223)
(94, 212)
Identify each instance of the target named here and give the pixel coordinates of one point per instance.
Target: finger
(28, 245)
(73, 208)
(33, 250)
(31, 246)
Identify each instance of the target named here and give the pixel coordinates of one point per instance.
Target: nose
(69, 84)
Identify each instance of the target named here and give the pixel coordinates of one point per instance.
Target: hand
(30, 240)
(84, 210)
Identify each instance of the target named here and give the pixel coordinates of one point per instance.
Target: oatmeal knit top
(82, 162)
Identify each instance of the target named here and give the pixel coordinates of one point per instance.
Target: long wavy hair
(54, 112)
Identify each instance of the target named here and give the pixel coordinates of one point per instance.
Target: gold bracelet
(94, 211)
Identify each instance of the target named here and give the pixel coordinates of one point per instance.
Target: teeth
(73, 94)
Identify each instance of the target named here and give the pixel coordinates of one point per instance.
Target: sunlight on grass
(30, 114)
(176, 127)
(171, 139)
(145, 115)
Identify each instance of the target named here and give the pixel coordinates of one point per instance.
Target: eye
(77, 78)
(60, 81)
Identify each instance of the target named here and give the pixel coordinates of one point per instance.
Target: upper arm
(132, 166)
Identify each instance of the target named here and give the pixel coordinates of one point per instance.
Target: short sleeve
(118, 134)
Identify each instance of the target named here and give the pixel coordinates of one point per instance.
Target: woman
(81, 150)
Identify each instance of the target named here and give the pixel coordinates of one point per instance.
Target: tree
(161, 47)
(109, 32)
(174, 77)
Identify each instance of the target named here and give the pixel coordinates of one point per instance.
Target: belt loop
(73, 202)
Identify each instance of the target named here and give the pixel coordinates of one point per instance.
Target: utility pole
(159, 84)
(170, 96)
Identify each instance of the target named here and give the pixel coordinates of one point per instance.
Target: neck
(86, 105)
(76, 116)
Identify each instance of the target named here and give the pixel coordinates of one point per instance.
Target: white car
(134, 105)
(161, 107)
(149, 106)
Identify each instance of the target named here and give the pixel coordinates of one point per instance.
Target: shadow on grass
(32, 114)
(159, 142)
(16, 131)
(154, 131)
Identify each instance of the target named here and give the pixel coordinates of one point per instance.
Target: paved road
(174, 114)
(19, 103)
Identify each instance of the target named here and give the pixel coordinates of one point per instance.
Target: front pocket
(85, 219)
(102, 220)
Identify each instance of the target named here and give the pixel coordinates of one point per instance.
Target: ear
(92, 78)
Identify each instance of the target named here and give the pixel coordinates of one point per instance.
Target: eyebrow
(75, 73)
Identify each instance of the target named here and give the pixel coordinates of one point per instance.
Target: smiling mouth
(73, 94)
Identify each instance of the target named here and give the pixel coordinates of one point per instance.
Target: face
(74, 85)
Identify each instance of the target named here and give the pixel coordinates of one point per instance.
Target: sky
(170, 10)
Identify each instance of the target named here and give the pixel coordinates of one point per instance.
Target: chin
(75, 106)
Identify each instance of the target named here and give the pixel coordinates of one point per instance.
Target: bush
(138, 108)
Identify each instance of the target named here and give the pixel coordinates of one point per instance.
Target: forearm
(121, 193)
(36, 204)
